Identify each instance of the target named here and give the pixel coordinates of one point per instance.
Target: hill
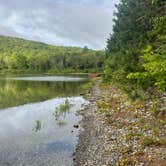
(20, 54)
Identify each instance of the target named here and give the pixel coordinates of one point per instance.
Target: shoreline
(119, 132)
(90, 148)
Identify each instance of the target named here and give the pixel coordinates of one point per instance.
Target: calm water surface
(34, 131)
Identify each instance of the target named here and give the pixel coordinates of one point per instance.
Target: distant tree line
(19, 54)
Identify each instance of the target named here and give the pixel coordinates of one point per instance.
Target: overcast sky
(58, 22)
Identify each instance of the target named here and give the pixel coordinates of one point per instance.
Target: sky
(59, 22)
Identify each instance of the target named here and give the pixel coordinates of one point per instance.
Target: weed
(62, 109)
(148, 141)
(124, 162)
(61, 123)
(65, 106)
(126, 150)
(37, 125)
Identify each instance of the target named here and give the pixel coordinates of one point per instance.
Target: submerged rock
(76, 126)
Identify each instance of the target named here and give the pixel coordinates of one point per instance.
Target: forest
(136, 49)
(29, 56)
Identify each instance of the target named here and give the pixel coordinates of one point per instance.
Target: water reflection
(39, 133)
(48, 78)
(52, 144)
(18, 92)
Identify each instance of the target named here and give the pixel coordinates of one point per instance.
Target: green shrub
(154, 72)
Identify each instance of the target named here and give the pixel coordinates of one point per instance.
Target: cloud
(75, 23)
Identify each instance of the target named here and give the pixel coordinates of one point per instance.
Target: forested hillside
(136, 50)
(22, 55)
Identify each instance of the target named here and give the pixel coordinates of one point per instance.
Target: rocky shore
(119, 132)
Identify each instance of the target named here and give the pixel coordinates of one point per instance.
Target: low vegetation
(62, 110)
(65, 106)
(37, 125)
(137, 135)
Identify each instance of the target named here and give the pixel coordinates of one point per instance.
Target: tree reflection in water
(17, 92)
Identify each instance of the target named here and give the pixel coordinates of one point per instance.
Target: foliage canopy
(136, 49)
(20, 54)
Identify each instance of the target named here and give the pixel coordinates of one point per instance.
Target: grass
(62, 109)
(130, 135)
(149, 141)
(65, 106)
(87, 87)
(61, 123)
(37, 125)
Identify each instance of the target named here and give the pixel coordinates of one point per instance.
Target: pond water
(37, 115)
(21, 90)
